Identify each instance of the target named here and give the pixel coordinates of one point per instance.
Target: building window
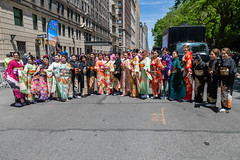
(33, 1)
(58, 7)
(63, 30)
(72, 32)
(82, 6)
(62, 9)
(43, 24)
(79, 35)
(79, 18)
(70, 50)
(119, 3)
(76, 17)
(69, 32)
(21, 46)
(59, 29)
(68, 12)
(119, 21)
(76, 34)
(42, 3)
(50, 5)
(71, 14)
(18, 17)
(34, 18)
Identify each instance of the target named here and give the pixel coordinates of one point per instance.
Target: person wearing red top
(187, 74)
(156, 72)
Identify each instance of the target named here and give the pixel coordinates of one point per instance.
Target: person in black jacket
(91, 74)
(213, 78)
(83, 75)
(75, 77)
(228, 72)
(117, 75)
(199, 76)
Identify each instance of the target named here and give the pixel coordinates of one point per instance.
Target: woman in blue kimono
(177, 84)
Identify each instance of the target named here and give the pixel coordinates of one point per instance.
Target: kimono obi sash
(141, 65)
(154, 68)
(199, 72)
(92, 68)
(43, 72)
(65, 72)
(174, 70)
(76, 71)
(31, 72)
(123, 67)
(224, 71)
(15, 70)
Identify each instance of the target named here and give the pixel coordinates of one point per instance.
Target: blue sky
(151, 11)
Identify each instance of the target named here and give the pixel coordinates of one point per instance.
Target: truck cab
(200, 48)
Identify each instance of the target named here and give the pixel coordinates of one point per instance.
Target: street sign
(42, 36)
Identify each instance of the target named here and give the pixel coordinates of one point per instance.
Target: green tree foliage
(221, 18)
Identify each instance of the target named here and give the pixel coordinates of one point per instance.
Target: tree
(221, 18)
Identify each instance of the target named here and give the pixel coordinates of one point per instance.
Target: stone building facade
(83, 25)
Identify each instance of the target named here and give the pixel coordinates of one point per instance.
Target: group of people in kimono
(127, 74)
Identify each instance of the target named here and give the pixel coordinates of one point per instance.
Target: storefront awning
(98, 43)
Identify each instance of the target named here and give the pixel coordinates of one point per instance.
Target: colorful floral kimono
(54, 90)
(145, 76)
(63, 77)
(45, 80)
(100, 76)
(32, 82)
(109, 69)
(135, 76)
(11, 75)
(177, 84)
(213, 79)
(228, 70)
(91, 75)
(167, 63)
(125, 78)
(117, 76)
(199, 74)
(187, 76)
(156, 72)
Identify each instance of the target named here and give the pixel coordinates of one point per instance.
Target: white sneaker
(196, 103)
(222, 110)
(184, 100)
(210, 105)
(107, 94)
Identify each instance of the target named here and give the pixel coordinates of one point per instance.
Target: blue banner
(52, 35)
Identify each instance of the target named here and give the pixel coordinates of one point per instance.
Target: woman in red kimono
(12, 78)
(156, 68)
(188, 72)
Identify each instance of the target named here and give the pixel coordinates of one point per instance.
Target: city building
(113, 21)
(83, 25)
(145, 37)
(137, 26)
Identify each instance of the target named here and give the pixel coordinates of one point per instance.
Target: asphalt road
(117, 128)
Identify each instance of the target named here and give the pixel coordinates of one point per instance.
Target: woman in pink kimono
(125, 78)
(12, 78)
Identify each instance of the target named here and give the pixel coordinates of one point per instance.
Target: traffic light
(38, 42)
